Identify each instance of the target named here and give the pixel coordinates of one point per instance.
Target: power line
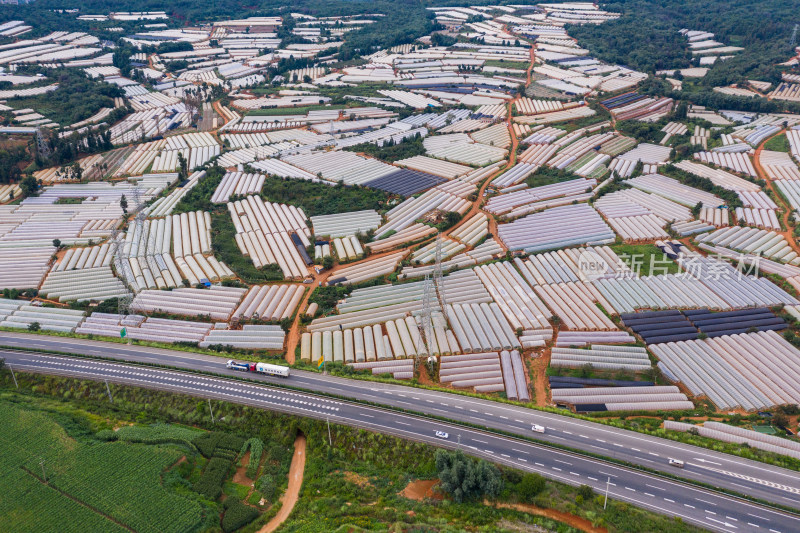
(121, 250)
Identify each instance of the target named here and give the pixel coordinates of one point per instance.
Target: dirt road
(289, 498)
(787, 209)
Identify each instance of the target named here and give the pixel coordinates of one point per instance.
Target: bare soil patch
(421, 489)
(356, 479)
(240, 476)
(572, 520)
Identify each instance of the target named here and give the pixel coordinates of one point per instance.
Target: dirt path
(787, 210)
(530, 68)
(572, 520)
(289, 498)
(293, 337)
(79, 502)
(538, 366)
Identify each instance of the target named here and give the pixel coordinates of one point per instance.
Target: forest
(646, 37)
(402, 22)
(77, 97)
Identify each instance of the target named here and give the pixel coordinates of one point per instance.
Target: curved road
(694, 504)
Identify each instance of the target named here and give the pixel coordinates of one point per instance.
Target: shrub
(256, 447)
(106, 435)
(210, 483)
(586, 492)
(219, 444)
(267, 487)
(237, 515)
(530, 486)
(466, 479)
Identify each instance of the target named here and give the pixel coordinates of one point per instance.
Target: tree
(71, 172)
(29, 185)
(123, 203)
(192, 100)
(183, 167)
(34, 326)
(57, 243)
(586, 492)
(530, 486)
(780, 419)
(466, 479)
(266, 486)
(76, 171)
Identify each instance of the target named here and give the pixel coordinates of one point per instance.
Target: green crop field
(90, 487)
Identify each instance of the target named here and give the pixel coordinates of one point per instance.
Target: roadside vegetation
(150, 445)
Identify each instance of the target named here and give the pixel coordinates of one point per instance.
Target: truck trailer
(261, 368)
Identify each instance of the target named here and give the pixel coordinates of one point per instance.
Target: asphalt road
(709, 510)
(713, 468)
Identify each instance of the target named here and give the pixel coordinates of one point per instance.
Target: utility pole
(330, 440)
(13, 376)
(459, 441)
(108, 390)
(606, 500)
(211, 411)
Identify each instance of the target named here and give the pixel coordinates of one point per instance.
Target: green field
(99, 487)
(645, 259)
(303, 110)
(521, 65)
(779, 143)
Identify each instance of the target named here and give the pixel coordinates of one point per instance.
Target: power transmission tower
(41, 145)
(793, 40)
(121, 253)
(123, 268)
(433, 298)
(426, 325)
(438, 283)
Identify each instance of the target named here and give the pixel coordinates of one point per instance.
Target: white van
(537, 428)
(677, 463)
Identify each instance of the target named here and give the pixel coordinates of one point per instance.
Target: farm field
(113, 486)
(587, 208)
(340, 484)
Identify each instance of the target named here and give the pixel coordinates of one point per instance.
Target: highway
(707, 509)
(713, 468)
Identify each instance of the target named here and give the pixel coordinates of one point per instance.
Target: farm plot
(748, 370)
(121, 481)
